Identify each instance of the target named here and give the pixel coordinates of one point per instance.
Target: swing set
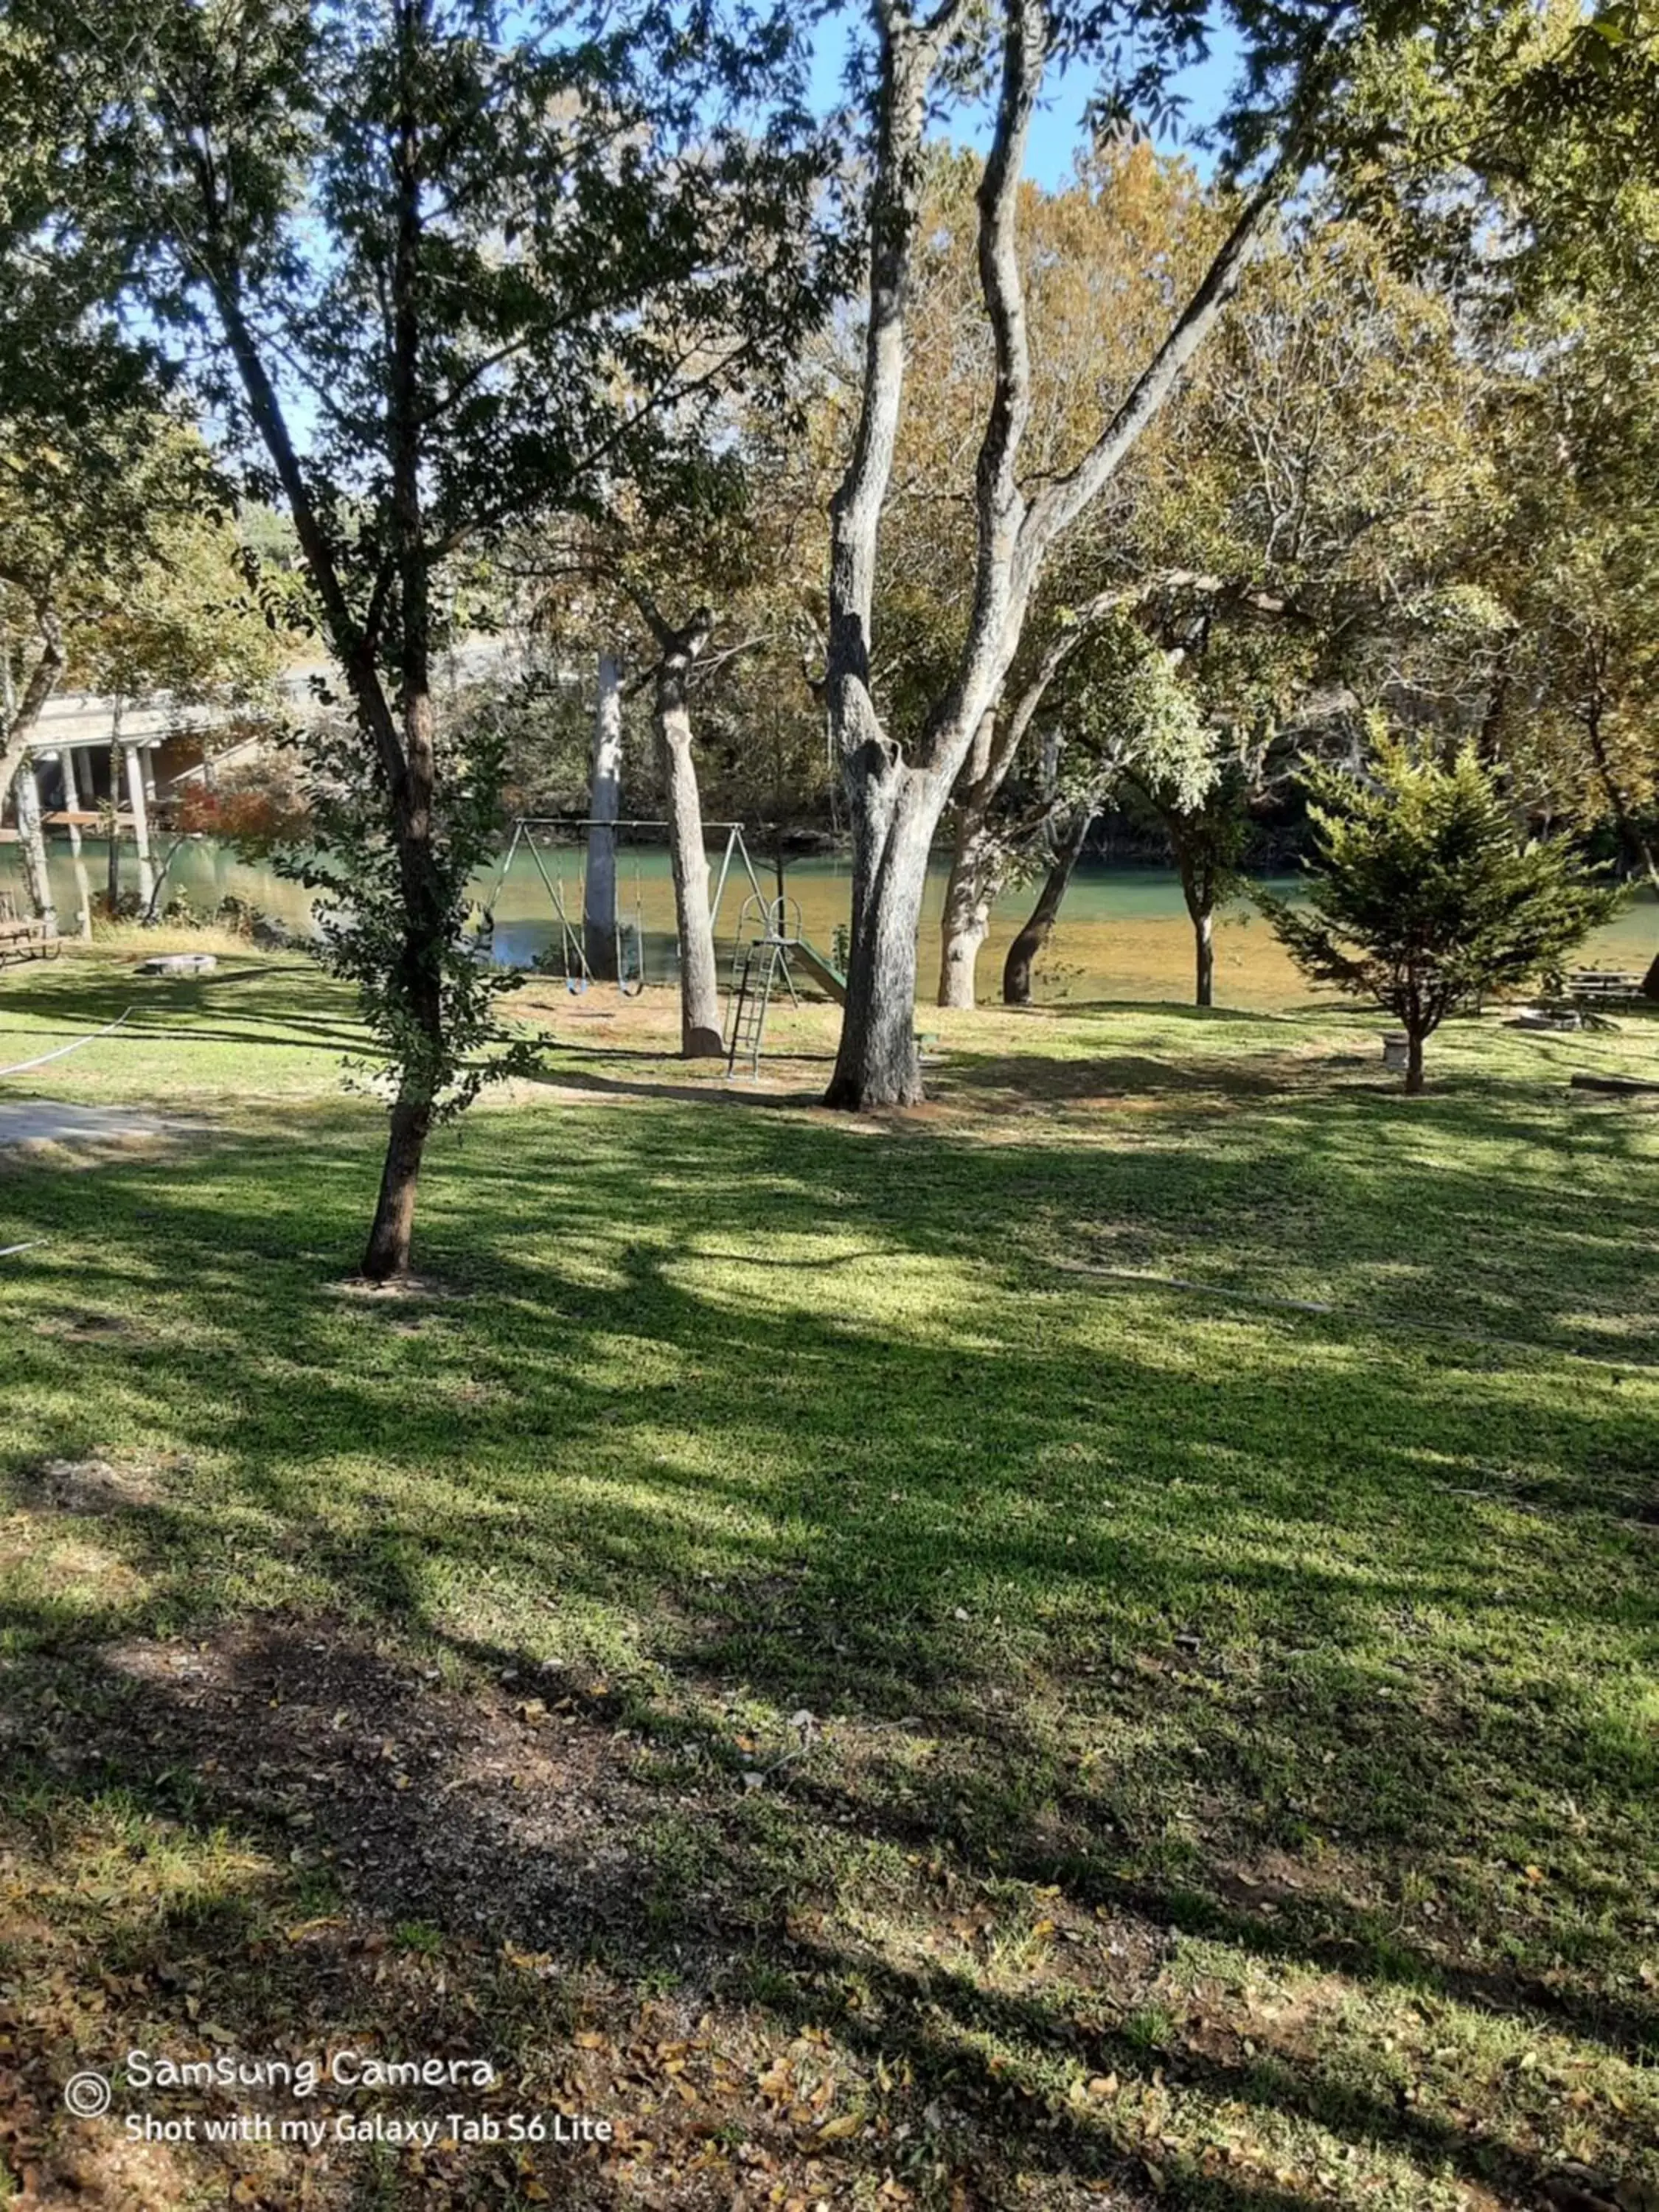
(534, 832)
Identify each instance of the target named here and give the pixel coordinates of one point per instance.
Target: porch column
(136, 799)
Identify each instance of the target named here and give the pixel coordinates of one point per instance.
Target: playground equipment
(538, 834)
(758, 960)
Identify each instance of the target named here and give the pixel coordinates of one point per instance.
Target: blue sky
(1057, 130)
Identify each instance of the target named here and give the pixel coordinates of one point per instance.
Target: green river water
(1123, 934)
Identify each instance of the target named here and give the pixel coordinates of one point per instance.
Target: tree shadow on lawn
(1178, 1010)
(1018, 1081)
(711, 1087)
(1261, 1568)
(529, 1837)
(1341, 1064)
(264, 1005)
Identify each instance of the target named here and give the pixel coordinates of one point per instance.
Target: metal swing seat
(572, 965)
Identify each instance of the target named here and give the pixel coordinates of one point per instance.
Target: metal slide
(807, 955)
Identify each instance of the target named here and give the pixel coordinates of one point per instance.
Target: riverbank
(1124, 933)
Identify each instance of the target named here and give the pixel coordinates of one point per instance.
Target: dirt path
(51, 1122)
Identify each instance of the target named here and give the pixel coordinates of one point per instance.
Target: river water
(1123, 933)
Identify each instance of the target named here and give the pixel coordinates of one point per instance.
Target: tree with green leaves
(95, 488)
(1570, 555)
(120, 570)
(1112, 707)
(1423, 893)
(1209, 841)
(1128, 225)
(1519, 144)
(92, 458)
(699, 602)
(1520, 165)
(899, 779)
(442, 268)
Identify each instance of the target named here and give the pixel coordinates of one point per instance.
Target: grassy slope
(1231, 1770)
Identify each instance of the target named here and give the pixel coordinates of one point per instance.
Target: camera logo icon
(87, 2095)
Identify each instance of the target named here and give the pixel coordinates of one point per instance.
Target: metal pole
(720, 886)
(736, 833)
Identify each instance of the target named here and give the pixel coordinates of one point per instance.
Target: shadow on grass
(1180, 1010)
(293, 1005)
(510, 1843)
(1133, 1603)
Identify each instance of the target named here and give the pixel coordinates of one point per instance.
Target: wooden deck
(96, 819)
(1603, 985)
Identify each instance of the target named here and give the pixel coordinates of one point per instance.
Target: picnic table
(26, 940)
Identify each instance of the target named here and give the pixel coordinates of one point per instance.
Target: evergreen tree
(1422, 894)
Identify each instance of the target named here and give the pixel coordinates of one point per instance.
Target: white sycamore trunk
(603, 805)
(700, 990)
(32, 839)
(77, 859)
(140, 806)
(975, 880)
(897, 793)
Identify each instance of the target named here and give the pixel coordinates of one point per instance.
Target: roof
(87, 718)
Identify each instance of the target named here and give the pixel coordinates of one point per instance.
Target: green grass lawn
(1094, 1644)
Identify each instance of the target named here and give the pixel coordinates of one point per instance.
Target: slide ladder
(755, 976)
(757, 962)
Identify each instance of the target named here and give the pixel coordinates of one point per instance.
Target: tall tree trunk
(895, 801)
(892, 807)
(82, 884)
(1197, 889)
(877, 1062)
(700, 989)
(1025, 951)
(419, 983)
(428, 918)
(112, 851)
(140, 806)
(1413, 1060)
(603, 805)
(400, 739)
(32, 838)
(1204, 945)
(389, 1238)
(976, 871)
(77, 859)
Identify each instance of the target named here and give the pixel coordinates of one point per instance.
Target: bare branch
(1060, 503)
(999, 590)
(911, 53)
